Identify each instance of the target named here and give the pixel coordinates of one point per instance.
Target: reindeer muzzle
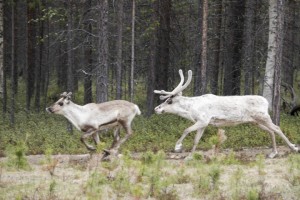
(49, 110)
(158, 110)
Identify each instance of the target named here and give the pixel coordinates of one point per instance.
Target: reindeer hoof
(295, 148)
(91, 148)
(108, 155)
(188, 158)
(178, 148)
(107, 152)
(273, 155)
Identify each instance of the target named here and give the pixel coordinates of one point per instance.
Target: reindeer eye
(61, 103)
(169, 101)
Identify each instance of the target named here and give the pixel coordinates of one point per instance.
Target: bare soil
(69, 176)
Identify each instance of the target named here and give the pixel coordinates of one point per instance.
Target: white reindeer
(92, 118)
(218, 111)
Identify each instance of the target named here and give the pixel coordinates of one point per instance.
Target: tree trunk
(70, 52)
(198, 49)
(271, 58)
(6, 51)
(16, 46)
(20, 38)
(39, 69)
(151, 68)
(278, 61)
(289, 46)
(132, 52)
(102, 66)
(248, 46)
(232, 47)
(119, 47)
(31, 55)
(163, 41)
(272, 74)
(13, 74)
(47, 68)
(215, 48)
(88, 58)
(62, 66)
(1, 50)
(204, 48)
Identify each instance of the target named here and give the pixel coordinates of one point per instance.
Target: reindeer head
(171, 97)
(59, 106)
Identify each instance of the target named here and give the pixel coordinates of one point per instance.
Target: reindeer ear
(69, 95)
(64, 94)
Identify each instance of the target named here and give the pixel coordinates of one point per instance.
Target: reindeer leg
(197, 139)
(116, 136)
(277, 130)
(274, 149)
(197, 125)
(96, 137)
(128, 134)
(267, 124)
(83, 138)
(116, 139)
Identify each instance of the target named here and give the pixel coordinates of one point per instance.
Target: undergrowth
(158, 132)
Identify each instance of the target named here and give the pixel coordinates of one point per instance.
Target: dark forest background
(105, 50)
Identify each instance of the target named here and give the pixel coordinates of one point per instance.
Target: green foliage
(182, 177)
(213, 140)
(214, 174)
(294, 169)
(52, 187)
(235, 183)
(198, 157)
(202, 186)
(253, 194)
(152, 173)
(16, 156)
(121, 183)
(230, 159)
(112, 165)
(42, 132)
(158, 132)
(95, 185)
(49, 163)
(260, 162)
(137, 191)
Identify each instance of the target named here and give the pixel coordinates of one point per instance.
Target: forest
(104, 50)
(108, 50)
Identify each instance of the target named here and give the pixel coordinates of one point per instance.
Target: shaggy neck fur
(75, 114)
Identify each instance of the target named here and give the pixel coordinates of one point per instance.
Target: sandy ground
(71, 175)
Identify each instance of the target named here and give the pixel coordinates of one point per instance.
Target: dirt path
(73, 178)
(246, 154)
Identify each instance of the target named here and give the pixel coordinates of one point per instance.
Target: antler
(66, 95)
(178, 89)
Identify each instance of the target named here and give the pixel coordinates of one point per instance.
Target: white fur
(218, 111)
(91, 118)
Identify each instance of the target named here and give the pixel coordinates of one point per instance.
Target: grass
(154, 177)
(159, 132)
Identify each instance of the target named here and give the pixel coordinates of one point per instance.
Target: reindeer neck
(186, 105)
(75, 114)
(181, 108)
